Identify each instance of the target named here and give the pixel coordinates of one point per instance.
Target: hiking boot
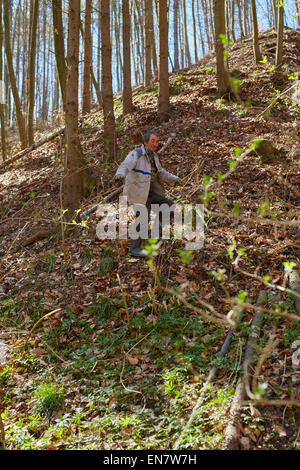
(138, 253)
(135, 248)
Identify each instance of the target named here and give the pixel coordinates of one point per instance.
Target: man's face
(152, 143)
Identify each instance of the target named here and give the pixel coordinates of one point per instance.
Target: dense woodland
(186, 350)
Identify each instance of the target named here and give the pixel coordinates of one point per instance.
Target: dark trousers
(153, 198)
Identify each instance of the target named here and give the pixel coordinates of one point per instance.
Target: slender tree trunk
(275, 13)
(175, 32)
(239, 4)
(205, 15)
(75, 179)
(59, 47)
(147, 43)
(223, 81)
(186, 39)
(32, 72)
(195, 31)
(256, 49)
(12, 78)
(107, 92)
(118, 14)
(163, 96)
(153, 43)
(232, 20)
(86, 97)
(279, 46)
(200, 29)
(44, 99)
(2, 116)
(99, 44)
(127, 90)
(297, 2)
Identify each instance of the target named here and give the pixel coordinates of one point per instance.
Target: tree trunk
(256, 49)
(232, 20)
(75, 179)
(297, 2)
(12, 78)
(127, 90)
(205, 15)
(200, 29)
(32, 72)
(275, 13)
(186, 39)
(147, 43)
(2, 117)
(163, 95)
(195, 31)
(153, 44)
(279, 46)
(175, 32)
(107, 92)
(59, 47)
(239, 4)
(86, 96)
(223, 81)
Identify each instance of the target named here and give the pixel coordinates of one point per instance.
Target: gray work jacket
(136, 169)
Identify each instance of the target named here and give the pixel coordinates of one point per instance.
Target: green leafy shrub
(49, 398)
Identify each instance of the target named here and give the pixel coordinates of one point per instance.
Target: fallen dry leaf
(132, 360)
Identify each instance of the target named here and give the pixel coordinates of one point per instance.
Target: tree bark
(223, 81)
(279, 45)
(59, 47)
(2, 116)
(175, 32)
(12, 78)
(186, 39)
(256, 49)
(86, 96)
(75, 178)
(297, 2)
(195, 31)
(153, 43)
(127, 90)
(107, 92)
(275, 13)
(147, 43)
(32, 56)
(163, 95)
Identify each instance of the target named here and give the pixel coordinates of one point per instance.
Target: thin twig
(38, 322)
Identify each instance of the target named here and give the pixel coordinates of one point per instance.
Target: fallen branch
(231, 434)
(274, 101)
(40, 142)
(34, 146)
(107, 198)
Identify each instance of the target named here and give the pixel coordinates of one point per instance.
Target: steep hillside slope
(129, 356)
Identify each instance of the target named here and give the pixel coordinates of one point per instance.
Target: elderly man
(144, 178)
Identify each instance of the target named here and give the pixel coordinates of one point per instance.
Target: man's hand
(119, 177)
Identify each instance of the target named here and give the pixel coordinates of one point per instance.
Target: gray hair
(147, 134)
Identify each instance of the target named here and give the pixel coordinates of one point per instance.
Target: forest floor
(119, 363)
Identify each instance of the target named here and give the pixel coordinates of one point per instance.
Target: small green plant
(49, 398)
(105, 265)
(4, 374)
(86, 256)
(221, 107)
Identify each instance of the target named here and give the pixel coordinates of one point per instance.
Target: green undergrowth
(117, 384)
(106, 381)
